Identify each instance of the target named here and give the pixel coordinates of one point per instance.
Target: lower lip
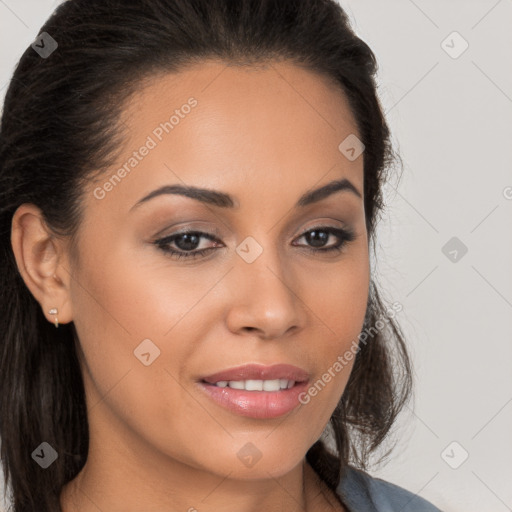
(256, 404)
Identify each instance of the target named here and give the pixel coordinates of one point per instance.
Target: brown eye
(186, 242)
(318, 237)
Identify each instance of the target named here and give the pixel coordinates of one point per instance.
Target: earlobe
(39, 257)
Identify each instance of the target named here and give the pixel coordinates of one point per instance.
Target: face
(264, 278)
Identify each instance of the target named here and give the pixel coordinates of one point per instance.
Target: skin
(265, 135)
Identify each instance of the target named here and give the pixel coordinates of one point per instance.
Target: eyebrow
(223, 200)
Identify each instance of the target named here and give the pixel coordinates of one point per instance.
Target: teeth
(257, 385)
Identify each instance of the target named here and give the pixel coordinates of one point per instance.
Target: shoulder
(363, 493)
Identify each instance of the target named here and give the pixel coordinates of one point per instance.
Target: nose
(265, 298)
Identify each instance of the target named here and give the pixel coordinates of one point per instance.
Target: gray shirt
(363, 493)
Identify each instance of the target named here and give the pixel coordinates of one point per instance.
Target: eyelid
(188, 228)
(216, 232)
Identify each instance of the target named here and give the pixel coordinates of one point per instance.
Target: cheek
(338, 298)
(119, 306)
(130, 300)
(338, 294)
(121, 302)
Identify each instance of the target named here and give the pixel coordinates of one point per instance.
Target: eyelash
(345, 236)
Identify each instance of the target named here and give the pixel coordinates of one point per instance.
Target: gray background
(451, 120)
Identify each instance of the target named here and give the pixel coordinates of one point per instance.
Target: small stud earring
(54, 311)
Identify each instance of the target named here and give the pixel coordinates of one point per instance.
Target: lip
(260, 372)
(257, 404)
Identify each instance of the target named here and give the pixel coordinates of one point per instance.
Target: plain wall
(451, 121)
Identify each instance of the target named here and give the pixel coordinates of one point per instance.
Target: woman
(189, 195)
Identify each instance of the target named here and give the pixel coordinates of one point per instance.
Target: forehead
(250, 91)
(234, 128)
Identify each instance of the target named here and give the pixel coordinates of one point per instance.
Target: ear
(42, 261)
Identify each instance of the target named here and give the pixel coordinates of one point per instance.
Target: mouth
(257, 391)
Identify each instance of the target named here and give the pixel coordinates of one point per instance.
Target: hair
(61, 122)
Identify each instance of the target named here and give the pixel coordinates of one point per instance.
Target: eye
(318, 236)
(187, 242)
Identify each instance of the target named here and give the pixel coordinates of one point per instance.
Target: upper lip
(260, 372)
